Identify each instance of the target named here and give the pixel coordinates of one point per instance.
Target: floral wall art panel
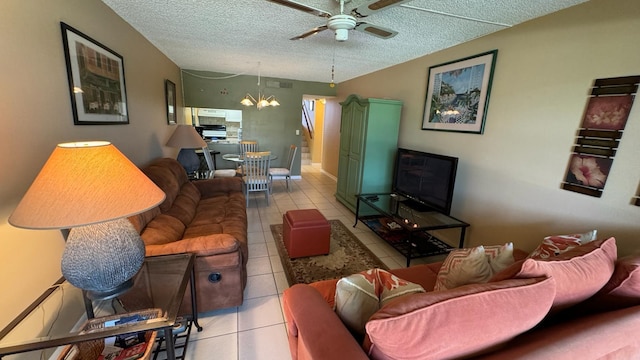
(605, 118)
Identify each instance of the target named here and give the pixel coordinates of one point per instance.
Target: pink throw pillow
(623, 289)
(579, 273)
(459, 322)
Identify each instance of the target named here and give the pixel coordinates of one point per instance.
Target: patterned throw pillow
(473, 265)
(361, 295)
(500, 256)
(557, 244)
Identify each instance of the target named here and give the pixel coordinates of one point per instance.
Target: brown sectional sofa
(584, 304)
(205, 217)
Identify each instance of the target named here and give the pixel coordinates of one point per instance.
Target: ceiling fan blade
(306, 8)
(375, 30)
(374, 6)
(310, 32)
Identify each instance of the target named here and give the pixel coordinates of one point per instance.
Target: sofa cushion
(458, 322)
(623, 289)
(184, 206)
(424, 275)
(164, 178)
(360, 295)
(557, 244)
(579, 273)
(327, 288)
(473, 265)
(163, 229)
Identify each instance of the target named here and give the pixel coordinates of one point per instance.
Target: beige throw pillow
(473, 265)
(361, 295)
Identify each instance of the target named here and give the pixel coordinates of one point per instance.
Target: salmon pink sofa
(582, 304)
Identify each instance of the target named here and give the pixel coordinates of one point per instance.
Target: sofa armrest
(202, 246)
(313, 328)
(213, 186)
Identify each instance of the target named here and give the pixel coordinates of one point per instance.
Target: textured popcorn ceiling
(232, 36)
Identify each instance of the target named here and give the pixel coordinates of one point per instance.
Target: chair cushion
(279, 171)
(224, 173)
(458, 322)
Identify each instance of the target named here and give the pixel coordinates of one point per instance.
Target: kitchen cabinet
(368, 144)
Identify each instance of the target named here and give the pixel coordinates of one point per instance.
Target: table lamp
(186, 138)
(90, 188)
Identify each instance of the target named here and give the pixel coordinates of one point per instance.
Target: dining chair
(246, 146)
(212, 169)
(284, 171)
(256, 173)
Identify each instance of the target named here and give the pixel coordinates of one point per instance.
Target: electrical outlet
(297, 132)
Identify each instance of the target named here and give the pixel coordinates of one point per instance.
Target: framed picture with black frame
(170, 96)
(96, 80)
(457, 96)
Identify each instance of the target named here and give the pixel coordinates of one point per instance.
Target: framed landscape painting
(458, 94)
(96, 80)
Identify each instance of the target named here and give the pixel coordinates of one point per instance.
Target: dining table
(239, 158)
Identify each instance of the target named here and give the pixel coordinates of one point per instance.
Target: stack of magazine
(129, 346)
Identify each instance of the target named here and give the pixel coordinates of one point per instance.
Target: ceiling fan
(341, 23)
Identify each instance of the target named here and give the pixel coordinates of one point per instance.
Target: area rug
(347, 255)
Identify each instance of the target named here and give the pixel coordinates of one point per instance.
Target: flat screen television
(427, 179)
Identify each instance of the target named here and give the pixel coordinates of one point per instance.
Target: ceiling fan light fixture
(342, 34)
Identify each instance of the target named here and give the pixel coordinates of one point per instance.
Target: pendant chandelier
(262, 100)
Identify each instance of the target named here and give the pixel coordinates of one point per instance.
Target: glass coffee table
(56, 317)
(406, 225)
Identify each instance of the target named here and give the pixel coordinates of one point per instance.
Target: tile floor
(256, 330)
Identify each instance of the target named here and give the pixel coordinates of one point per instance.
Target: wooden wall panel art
(599, 134)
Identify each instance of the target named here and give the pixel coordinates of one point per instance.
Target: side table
(160, 284)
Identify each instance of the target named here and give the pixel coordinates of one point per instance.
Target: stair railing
(308, 123)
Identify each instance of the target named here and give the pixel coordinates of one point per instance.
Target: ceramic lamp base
(102, 258)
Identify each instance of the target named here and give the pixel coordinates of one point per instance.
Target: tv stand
(406, 225)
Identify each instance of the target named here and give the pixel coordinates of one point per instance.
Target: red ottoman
(305, 233)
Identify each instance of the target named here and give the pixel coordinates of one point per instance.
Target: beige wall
(508, 183)
(36, 115)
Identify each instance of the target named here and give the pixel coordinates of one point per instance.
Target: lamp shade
(85, 183)
(186, 137)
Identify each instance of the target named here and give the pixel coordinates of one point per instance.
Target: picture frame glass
(458, 94)
(170, 96)
(96, 80)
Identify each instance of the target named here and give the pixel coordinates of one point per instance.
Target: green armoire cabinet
(368, 144)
